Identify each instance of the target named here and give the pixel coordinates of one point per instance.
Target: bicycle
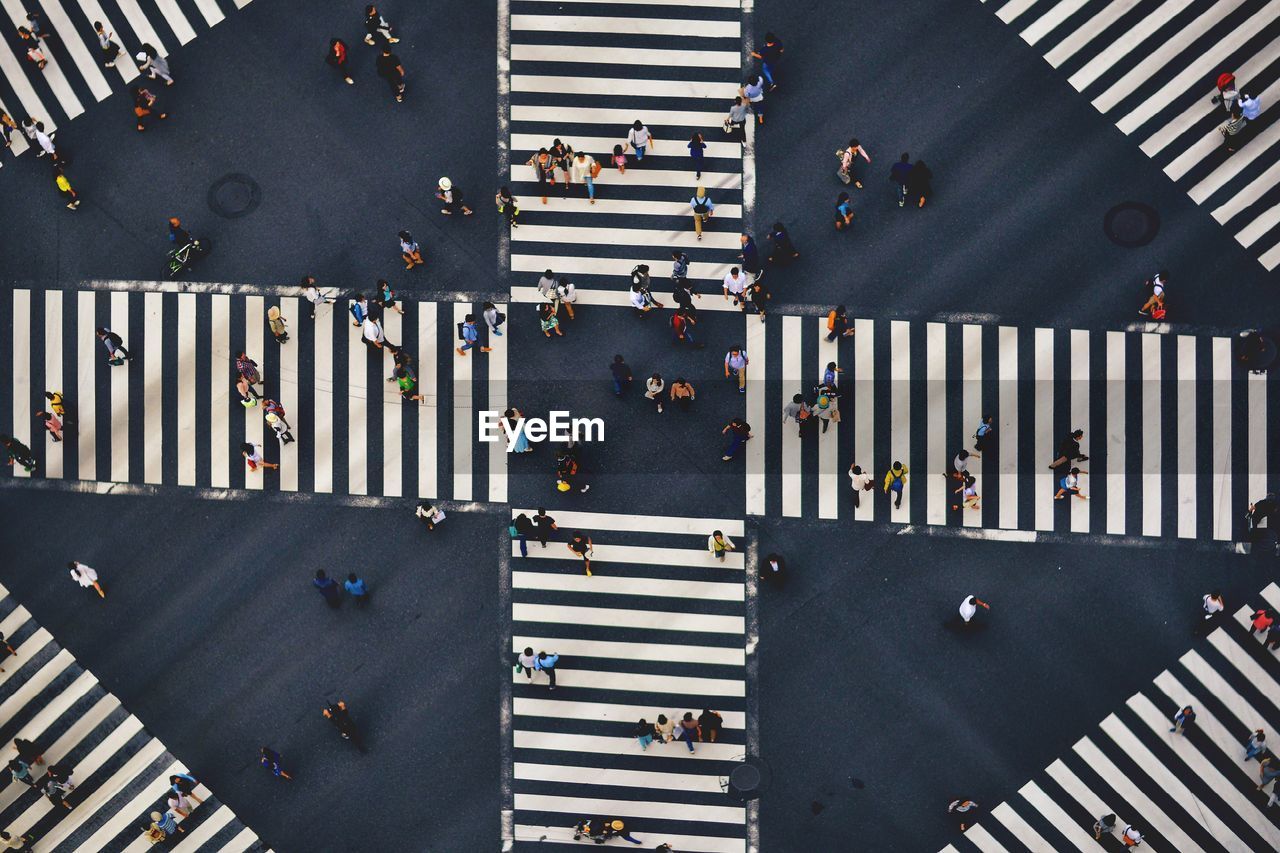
(182, 258)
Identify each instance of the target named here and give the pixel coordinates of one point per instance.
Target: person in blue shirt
(469, 335)
(769, 55)
(844, 212)
(356, 588)
(273, 761)
(328, 588)
(547, 663)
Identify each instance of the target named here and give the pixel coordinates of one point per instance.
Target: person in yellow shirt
(64, 186)
(896, 479)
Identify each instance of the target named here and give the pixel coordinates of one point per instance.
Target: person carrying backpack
(1155, 302)
(838, 324)
(116, 353)
(468, 335)
(703, 209)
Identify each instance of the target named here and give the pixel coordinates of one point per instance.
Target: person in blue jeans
(899, 173)
(621, 375)
(468, 334)
(521, 529)
(547, 663)
(739, 432)
(696, 149)
(769, 55)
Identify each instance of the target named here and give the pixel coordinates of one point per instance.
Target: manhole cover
(234, 195)
(1131, 224)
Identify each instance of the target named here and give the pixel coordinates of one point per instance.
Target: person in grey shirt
(737, 119)
(547, 286)
(792, 411)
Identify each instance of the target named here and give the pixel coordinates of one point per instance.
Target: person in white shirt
(735, 285)
(960, 464)
(970, 606)
(566, 295)
(431, 515)
(85, 576)
(654, 386)
(374, 336)
(580, 172)
(1131, 836)
(719, 545)
(861, 482)
(313, 294)
(1251, 107)
(640, 139)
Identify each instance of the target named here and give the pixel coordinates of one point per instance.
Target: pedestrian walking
(644, 733)
(697, 147)
(919, 183)
(561, 158)
(1255, 744)
(430, 514)
(654, 386)
(1250, 106)
(838, 325)
(964, 811)
(280, 428)
(1130, 837)
(386, 297)
(688, 730)
(639, 139)
(960, 465)
(543, 525)
(51, 423)
(277, 324)
(1104, 825)
(720, 545)
(619, 159)
(709, 725)
(144, 105)
(178, 803)
(116, 352)
(451, 197)
(1070, 485)
(682, 393)
(109, 51)
(57, 404)
(735, 123)
(735, 365)
(64, 187)
(642, 299)
(844, 212)
(507, 206)
(682, 323)
(313, 294)
(35, 55)
(525, 662)
(18, 453)
(1227, 91)
(544, 169)
(1155, 301)
(797, 410)
(899, 175)
(1261, 621)
(410, 251)
(86, 576)
(514, 417)
(328, 588)
(247, 377)
(895, 479)
(984, 434)
(391, 69)
(739, 433)
(969, 609)
(1268, 769)
(769, 55)
(968, 492)
(6, 648)
(357, 589)
(21, 772)
(1182, 719)
(27, 751)
(521, 529)
(338, 714)
(566, 294)
(750, 256)
(1231, 130)
(45, 142)
(185, 784)
(848, 160)
(1211, 608)
(617, 829)
(781, 249)
(1069, 449)
(548, 321)
(583, 170)
(273, 761)
(566, 469)
(735, 287)
(665, 729)
(161, 827)
(7, 127)
(19, 842)
(580, 544)
(547, 663)
(753, 90)
(337, 59)
(373, 336)
(376, 26)
(1261, 510)
(252, 454)
(621, 375)
(153, 64)
(703, 209)
(860, 481)
(407, 382)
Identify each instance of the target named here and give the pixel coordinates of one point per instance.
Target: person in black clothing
(524, 528)
(337, 58)
(18, 452)
(758, 295)
(838, 323)
(750, 257)
(774, 570)
(337, 713)
(621, 375)
(1069, 450)
(683, 294)
(1261, 510)
(709, 723)
(899, 174)
(543, 525)
(6, 648)
(918, 183)
(390, 69)
(783, 250)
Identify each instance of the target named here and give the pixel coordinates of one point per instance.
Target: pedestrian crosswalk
(1151, 66)
(75, 74)
(659, 628)
(1180, 438)
(120, 772)
(1191, 791)
(585, 79)
(171, 415)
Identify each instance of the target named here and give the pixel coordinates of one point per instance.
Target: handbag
(595, 168)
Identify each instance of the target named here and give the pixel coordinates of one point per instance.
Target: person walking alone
(277, 324)
(720, 545)
(18, 453)
(969, 609)
(50, 422)
(697, 147)
(144, 102)
(848, 159)
(109, 50)
(64, 187)
(86, 577)
(153, 64)
(252, 454)
(1069, 450)
(860, 481)
(1070, 485)
(580, 544)
(639, 139)
(392, 70)
(337, 59)
(451, 197)
(116, 352)
(376, 26)
(735, 364)
(507, 206)
(583, 170)
(739, 433)
(703, 209)
(895, 479)
(900, 174)
(1182, 719)
(410, 251)
(1255, 744)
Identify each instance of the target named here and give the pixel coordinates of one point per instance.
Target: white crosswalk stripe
(1168, 421)
(119, 772)
(642, 216)
(575, 750)
(326, 380)
(75, 58)
(1151, 68)
(1136, 759)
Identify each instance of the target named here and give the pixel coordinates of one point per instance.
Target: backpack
(701, 205)
(461, 335)
(499, 319)
(831, 321)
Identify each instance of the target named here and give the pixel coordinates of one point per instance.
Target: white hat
(271, 418)
(141, 56)
(446, 184)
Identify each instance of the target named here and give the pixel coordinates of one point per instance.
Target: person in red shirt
(338, 59)
(1262, 619)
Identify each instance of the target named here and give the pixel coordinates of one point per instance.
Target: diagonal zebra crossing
(120, 772)
(1180, 438)
(1193, 792)
(74, 75)
(659, 628)
(584, 79)
(171, 415)
(1151, 66)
